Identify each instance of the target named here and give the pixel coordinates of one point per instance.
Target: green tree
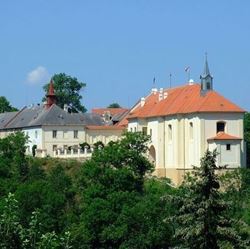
(203, 220)
(13, 162)
(118, 208)
(114, 105)
(67, 91)
(247, 136)
(15, 236)
(5, 105)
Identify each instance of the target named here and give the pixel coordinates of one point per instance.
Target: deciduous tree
(67, 91)
(5, 105)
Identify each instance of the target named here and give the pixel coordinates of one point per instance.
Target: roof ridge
(15, 116)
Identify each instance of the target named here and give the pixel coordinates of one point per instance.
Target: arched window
(220, 127)
(191, 130)
(170, 132)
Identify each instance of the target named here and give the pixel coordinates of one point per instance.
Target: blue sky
(118, 47)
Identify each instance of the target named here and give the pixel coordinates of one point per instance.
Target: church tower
(51, 97)
(206, 79)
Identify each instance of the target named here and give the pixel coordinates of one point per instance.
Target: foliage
(203, 220)
(14, 235)
(9, 224)
(84, 145)
(114, 105)
(236, 185)
(112, 201)
(118, 209)
(247, 136)
(67, 91)
(98, 145)
(5, 105)
(13, 163)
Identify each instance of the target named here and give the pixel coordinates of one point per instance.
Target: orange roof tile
(224, 136)
(113, 111)
(183, 100)
(104, 127)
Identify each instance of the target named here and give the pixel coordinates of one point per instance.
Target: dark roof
(38, 116)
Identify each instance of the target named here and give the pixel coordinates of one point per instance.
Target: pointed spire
(206, 78)
(206, 68)
(51, 97)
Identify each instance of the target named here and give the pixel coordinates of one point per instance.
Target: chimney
(165, 95)
(191, 82)
(154, 90)
(142, 101)
(160, 94)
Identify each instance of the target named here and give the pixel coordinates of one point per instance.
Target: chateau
(183, 123)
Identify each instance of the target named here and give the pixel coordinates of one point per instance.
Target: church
(184, 122)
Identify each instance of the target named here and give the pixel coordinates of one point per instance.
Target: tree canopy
(203, 218)
(67, 91)
(5, 105)
(113, 201)
(120, 208)
(114, 105)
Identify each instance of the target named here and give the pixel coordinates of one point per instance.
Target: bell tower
(206, 78)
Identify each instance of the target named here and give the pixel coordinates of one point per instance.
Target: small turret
(206, 79)
(51, 97)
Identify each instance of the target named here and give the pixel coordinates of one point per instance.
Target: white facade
(179, 141)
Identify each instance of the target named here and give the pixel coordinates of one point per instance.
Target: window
(75, 134)
(170, 132)
(220, 127)
(54, 134)
(208, 86)
(228, 146)
(36, 134)
(144, 130)
(134, 129)
(131, 129)
(191, 130)
(54, 147)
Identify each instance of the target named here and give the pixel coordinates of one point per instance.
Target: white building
(184, 122)
(54, 131)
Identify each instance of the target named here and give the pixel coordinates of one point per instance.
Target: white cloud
(38, 75)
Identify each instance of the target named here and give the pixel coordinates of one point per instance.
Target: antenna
(187, 70)
(170, 80)
(154, 82)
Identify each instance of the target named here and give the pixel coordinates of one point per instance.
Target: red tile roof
(112, 111)
(183, 100)
(102, 127)
(224, 136)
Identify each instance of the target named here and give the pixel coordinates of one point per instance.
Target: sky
(118, 47)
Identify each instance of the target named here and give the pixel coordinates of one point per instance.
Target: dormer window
(220, 126)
